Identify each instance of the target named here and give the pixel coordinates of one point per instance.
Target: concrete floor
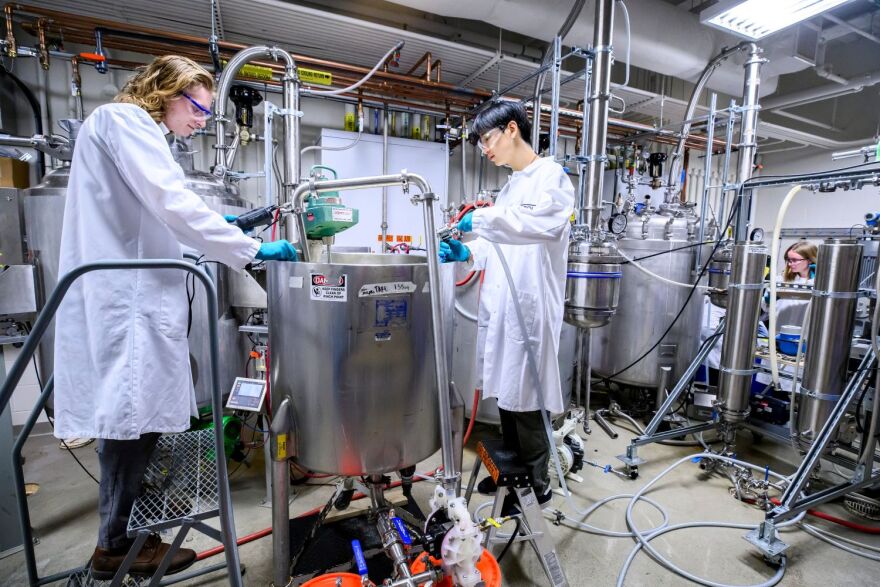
(65, 521)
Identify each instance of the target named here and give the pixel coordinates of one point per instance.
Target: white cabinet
(405, 220)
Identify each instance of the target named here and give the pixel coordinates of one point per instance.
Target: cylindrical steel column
(832, 314)
(599, 98)
(748, 137)
(738, 350)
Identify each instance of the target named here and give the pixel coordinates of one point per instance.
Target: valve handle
(402, 531)
(359, 557)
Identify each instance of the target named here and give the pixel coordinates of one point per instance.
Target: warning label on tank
(391, 313)
(328, 289)
(369, 290)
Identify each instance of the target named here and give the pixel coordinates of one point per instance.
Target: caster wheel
(634, 473)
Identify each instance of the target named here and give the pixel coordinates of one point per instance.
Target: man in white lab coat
(530, 223)
(122, 371)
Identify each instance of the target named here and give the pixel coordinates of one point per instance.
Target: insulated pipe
(290, 104)
(748, 138)
(600, 96)
(677, 155)
(738, 349)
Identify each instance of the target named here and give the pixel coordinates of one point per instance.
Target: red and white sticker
(326, 288)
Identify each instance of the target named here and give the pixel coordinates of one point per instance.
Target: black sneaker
(487, 486)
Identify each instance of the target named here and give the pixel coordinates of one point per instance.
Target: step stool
(510, 475)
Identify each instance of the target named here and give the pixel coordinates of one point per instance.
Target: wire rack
(83, 578)
(180, 482)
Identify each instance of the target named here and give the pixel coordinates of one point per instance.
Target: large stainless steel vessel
(832, 315)
(351, 347)
(44, 217)
(647, 305)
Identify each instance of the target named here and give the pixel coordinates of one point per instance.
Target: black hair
(498, 115)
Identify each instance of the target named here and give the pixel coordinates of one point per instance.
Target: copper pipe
(437, 69)
(11, 48)
(426, 58)
(73, 21)
(41, 43)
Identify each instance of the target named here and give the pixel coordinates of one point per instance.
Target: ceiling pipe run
(665, 39)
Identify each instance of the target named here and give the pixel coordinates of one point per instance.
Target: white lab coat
(531, 222)
(789, 312)
(121, 354)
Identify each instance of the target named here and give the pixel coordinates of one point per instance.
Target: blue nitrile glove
(452, 250)
(466, 224)
(231, 218)
(277, 251)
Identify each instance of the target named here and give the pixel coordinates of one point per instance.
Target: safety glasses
(488, 139)
(197, 109)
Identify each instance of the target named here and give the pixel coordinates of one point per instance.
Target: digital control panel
(247, 394)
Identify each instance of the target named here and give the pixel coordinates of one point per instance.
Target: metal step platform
(514, 479)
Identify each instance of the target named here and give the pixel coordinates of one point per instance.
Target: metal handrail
(227, 523)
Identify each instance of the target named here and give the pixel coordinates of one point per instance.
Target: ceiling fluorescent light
(755, 19)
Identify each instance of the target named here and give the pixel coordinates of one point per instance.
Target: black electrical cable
(682, 248)
(684, 306)
(513, 536)
(48, 417)
(38, 115)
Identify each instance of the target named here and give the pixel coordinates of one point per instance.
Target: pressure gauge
(617, 223)
(757, 235)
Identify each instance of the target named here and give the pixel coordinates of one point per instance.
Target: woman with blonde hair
(122, 371)
(800, 268)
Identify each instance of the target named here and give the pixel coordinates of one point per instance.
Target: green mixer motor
(325, 213)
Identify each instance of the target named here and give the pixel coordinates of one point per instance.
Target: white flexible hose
(647, 271)
(342, 148)
(628, 41)
(795, 384)
(644, 539)
(835, 540)
(356, 85)
(774, 262)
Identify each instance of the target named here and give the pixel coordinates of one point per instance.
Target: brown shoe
(105, 562)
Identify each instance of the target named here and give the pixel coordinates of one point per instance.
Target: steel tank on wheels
(648, 305)
(351, 348)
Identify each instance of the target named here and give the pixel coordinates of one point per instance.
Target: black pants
(123, 463)
(524, 433)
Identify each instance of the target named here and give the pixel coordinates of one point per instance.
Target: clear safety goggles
(488, 139)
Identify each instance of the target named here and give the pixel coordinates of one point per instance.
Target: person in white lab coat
(530, 222)
(122, 371)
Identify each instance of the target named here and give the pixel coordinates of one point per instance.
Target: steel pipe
(290, 104)
(748, 138)
(676, 158)
(600, 96)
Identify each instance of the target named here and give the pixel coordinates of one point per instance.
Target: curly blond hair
(166, 78)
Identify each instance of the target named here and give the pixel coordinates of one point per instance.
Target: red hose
(266, 531)
(466, 279)
(840, 521)
(474, 408)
